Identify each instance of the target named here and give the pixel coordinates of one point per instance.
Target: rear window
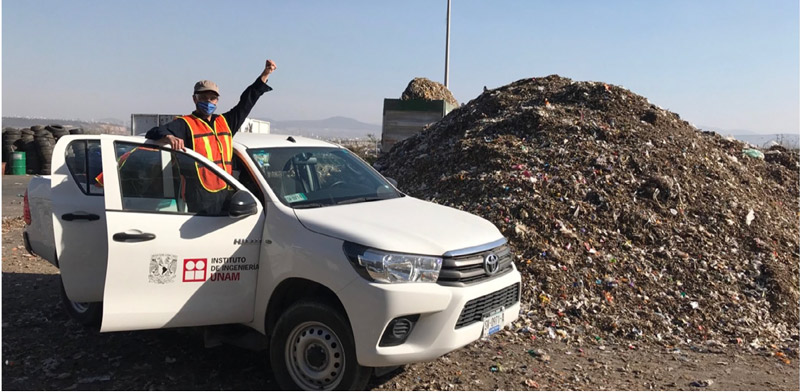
(84, 161)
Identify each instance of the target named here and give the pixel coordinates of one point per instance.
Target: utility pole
(447, 50)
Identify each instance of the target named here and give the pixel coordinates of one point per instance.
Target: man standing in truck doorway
(210, 135)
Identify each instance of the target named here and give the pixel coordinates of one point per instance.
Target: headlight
(389, 267)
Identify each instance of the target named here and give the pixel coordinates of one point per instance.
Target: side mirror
(392, 181)
(242, 204)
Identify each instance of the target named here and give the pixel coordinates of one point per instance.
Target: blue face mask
(206, 107)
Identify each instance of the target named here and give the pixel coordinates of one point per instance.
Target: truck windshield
(311, 177)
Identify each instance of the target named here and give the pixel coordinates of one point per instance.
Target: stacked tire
(37, 142)
(11, 137)
(76, 131)
(27, 144)
(58, 130)
(44, 141)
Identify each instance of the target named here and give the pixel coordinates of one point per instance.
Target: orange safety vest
(217, 146)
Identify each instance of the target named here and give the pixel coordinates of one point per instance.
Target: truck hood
(404, 224)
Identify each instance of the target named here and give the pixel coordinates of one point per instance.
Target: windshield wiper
(306, 205)
(360, 200)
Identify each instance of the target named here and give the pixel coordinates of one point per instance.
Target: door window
(157, 180)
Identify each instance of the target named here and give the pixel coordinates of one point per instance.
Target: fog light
(398, 330)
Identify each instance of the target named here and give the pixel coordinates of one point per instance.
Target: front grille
(475, 309)
(468, 269)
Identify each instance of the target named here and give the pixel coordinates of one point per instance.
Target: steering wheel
(338, 183)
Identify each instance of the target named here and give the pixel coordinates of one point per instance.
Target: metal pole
(447, 50)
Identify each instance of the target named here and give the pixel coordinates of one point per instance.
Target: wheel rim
(314, 356)
(80, 307)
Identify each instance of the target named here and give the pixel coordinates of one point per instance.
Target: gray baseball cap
(205, 85)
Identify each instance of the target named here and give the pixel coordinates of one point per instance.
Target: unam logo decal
(163, 268)
(194, 270)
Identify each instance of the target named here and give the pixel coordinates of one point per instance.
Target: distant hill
(788, 140)
(329, 123)
(333, 127)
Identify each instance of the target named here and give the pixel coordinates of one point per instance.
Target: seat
(291, 184)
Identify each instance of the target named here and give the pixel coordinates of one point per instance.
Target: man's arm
(235, 117)
(269, 68)
(172, 133)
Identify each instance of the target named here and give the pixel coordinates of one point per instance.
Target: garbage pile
(428, 90)
(627, 222)
(37, 143)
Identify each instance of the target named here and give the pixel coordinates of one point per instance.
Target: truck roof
(260, 140)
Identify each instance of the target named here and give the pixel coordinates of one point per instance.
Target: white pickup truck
(315, 250)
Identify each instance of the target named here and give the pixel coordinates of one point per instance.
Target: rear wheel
(88, 314)
(312, 348)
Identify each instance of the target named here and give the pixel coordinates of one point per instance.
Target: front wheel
(88, 314)
(312, 348)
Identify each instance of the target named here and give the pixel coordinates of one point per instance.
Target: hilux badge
(491, 263)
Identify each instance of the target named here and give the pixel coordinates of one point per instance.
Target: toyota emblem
(491, 263)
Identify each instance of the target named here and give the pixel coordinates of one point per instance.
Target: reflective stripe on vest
(216, 146)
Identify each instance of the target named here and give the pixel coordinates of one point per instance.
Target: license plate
(492, 322)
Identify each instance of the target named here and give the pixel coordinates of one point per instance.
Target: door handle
(71, 217)
(125, 237)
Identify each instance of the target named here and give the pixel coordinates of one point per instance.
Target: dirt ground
(44, 350)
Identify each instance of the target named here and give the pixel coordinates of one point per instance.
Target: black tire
(57, 131)
(46, 155)
(324, 350)
(88, 314)
(37, 128)
(44, 142)
(32, 162)
(10, 140)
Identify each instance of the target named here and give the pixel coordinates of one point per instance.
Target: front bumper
(371, 306)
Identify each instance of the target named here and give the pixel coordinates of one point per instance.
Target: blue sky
(721, 63)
